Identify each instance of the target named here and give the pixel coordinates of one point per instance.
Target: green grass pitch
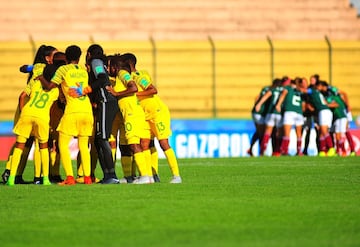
(267, 201)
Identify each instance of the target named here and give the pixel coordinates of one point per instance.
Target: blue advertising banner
(6, 128)
(212, 138)
(200, 138)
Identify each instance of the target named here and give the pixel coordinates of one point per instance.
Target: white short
(349, 116)
(340, 125)
(325, 118)
(258, 118)
(293, 118)
(273, 119)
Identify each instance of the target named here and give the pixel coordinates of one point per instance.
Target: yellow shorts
(134, 122)
(161, 125)
(116, 125)
(76, 124)
(134, 129)
(142, 132)
(27, 125)
(148, 133)
(122, 137)
(17, 112)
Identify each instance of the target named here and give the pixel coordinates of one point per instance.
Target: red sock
(342, 144)
(298, 146)
(337, 145)
(284, 148)
(350, 140)
(322, 144)
(329, 142)
(264, 143)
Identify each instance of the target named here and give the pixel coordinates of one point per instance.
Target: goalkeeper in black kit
(105, 109)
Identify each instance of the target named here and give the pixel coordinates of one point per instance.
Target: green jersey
(265, 106)
(340, 111)
(318, 100)
(275, 94)
(293, 101)
(334, 91)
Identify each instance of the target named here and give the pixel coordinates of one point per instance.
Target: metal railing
(329, 60)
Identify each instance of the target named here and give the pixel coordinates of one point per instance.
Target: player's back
(40, 101)
(318, 100)
(73, 76)
(293, 101)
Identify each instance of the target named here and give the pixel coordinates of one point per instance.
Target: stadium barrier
(211, 78)
(199, 138)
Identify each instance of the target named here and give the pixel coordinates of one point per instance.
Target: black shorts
(105, 115)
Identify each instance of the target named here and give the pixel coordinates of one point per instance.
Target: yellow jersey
(121, 81)
(151, 104)
(40, 101)
(73, 75)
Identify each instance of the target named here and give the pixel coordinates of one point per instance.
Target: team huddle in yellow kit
(109, 100)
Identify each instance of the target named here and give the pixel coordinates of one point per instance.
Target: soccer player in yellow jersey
(34, 118)
(118, 134)
(157, 115)
(134, 118)
(77, 120)
(44, 55)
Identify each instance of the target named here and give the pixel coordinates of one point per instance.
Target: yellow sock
(112, 143)
(44, 153)
(37, 160)
(52, 158)
(126, 164)
(23, 161)
(172, 161)
(141, 163)
(64, 141)
(154, 160)
(8, 163)
(15, 160)
(147, 155)
(85, 154)
(80, 168)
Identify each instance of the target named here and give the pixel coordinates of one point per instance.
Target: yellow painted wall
(184, 71)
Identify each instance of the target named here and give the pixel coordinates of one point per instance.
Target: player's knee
(164, 144)
(145, 144)
(43, 145)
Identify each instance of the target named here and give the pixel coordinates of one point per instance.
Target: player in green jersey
(290, 103)
(340, 121)
(325, 118)
(259, 119)
(273, 117)
(334, 91)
